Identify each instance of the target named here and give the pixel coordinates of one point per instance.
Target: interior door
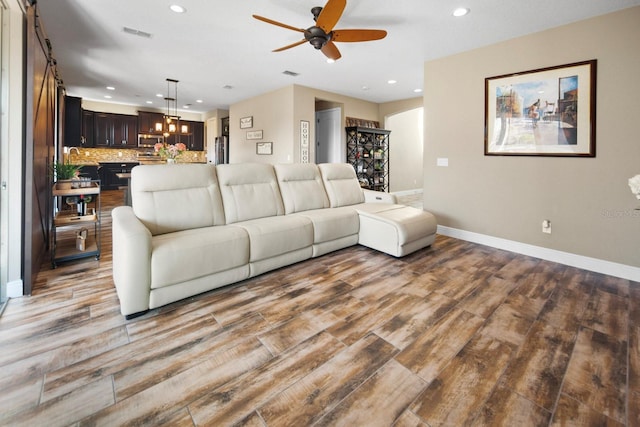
(328, 137)
(41, 102)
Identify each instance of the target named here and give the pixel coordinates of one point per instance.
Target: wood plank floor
(457, 334)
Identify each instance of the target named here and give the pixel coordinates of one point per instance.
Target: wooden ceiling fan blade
(290, 46)
(331, 51)
(357, 35)
(331, 13)
(279, 24)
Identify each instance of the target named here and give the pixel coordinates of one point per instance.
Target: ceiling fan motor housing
(317, 37)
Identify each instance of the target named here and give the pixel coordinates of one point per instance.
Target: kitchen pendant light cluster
(170, 122)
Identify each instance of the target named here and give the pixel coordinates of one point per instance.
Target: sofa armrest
(371, 196)
(131, 260)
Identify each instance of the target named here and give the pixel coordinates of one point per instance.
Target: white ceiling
(217, 43)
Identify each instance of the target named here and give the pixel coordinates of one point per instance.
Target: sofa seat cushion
(397, 232)
(189, 254)
(277, 235)
(332, 223)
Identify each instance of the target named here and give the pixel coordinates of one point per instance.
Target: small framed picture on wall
(246, 122)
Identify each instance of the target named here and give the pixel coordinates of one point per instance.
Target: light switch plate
(442, 161)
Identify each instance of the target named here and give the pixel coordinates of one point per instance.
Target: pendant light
(171, 120)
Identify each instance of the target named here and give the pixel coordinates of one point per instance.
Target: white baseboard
(15, 289)
(586, 263)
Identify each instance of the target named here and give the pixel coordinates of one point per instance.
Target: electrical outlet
(546, 226)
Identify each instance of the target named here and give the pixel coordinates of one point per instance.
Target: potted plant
(64, 173)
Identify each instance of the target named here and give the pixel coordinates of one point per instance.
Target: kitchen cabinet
(87, 137)
(148, 121)
(90, 171)
(76, 222)
(72, 121)
(197, 140)
(108, 171)
(368, 153)
(115, 130)
(192, 137)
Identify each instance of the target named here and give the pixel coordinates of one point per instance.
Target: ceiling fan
(322, 35)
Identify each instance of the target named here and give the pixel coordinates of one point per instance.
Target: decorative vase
(170, 161)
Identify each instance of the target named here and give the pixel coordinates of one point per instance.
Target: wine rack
(368, 153)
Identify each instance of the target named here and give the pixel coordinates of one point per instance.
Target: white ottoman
(397, 232)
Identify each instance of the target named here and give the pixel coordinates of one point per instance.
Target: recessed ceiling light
(159, 95)
(365, 88)
(149, 102)
(330, 61)
(108, 96)
(199, 101)
(392, 82)
(111, 88)
(461, 11)
(177, 8)
(418, 90)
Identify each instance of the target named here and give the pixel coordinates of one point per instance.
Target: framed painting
(254, 134)
(246, 122)
(264, 148)
(545, 112)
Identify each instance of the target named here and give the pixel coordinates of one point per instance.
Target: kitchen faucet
(77, 152)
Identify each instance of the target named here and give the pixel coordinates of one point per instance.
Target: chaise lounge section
(193, 228)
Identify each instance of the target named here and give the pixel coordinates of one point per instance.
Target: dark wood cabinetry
(88, 129)
(115, 130)
(150, 123)
(368, 152)
(108, 172)
(72, 121)
(197, 140)
(189, 133)
(88, 137)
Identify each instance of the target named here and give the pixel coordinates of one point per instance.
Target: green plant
(62, 171)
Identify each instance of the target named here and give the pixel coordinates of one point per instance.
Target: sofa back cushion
(249, 191)
(341, 184)
(168, 198)
(301, 187)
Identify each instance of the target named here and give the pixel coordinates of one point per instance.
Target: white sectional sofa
(196, 227)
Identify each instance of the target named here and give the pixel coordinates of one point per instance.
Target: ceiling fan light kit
(322, 35)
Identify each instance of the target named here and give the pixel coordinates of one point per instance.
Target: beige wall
(405, 152)
(272, 114)
(587, 199)
(278, 115)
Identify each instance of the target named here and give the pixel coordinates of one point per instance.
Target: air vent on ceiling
(290, 73)
(135, 32)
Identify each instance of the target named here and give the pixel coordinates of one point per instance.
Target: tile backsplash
(96, 155)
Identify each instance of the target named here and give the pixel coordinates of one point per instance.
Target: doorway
(329, 136)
